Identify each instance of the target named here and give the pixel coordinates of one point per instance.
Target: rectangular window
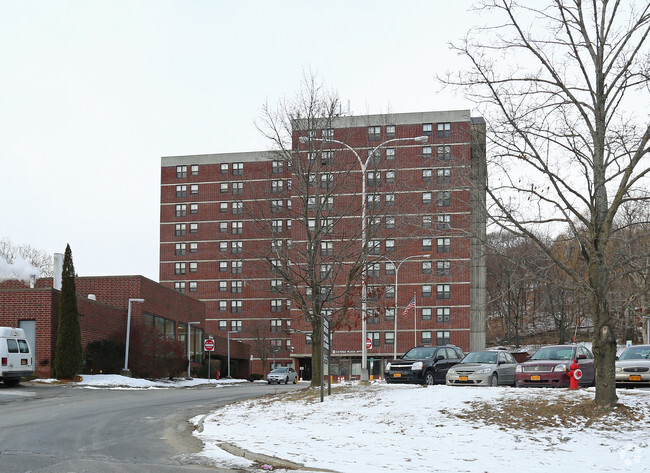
(194, 286)
(236, 287)
(373, 270)
(328, 134)
(374, 133)
(390, 314)
(443, 314)
(223, 306)
(427, 175)
(235, 325)
(276, 226)
(426, 244)
(223, 187)
(427, 221)
(223, 246)
(179, 229)
(427, 197)
(181, 191)
(179, 249)
(443, 268)
(390, 131)
(179, 287)
(390, 154)
(223, 286)
(179, 268)
(373, 178)
(276, 285)
(389, 199)
(444, 198)
(427, 129)
(194, 189)
(326, 181)
(443, 338)
(237, 169)
(327, 158)
(374, 201)
(223, 325)
(374, 247)
(194, 228)
(389, 292)
(195, 169)
(224, 168)
(427, 267)
(427, 290)
(276, 206)
(444, 245)
(223, 227)
(389, 338)
(444, 130)
(426, 313)
(325, 271)
(235, 307)
(444, 153)
(277, 167)
(426, 337)
(444, 221)
(427, 153)
(276, 325)
(444, 176)
(277, 186)
(327, 203)
(223, 207)
(389, 268)
(276, 305)
(237, 208)
(375, 337)
(194, 267)
(181, 172)
(236, 247)
(326, 248)
(237, 188)
(237, 228)
(308, 340)
(390, 176)
(181, 210)
(194, 208)
(194, 247)
(443, 291)
(236, 267)
(390, 222)
(390, 246)
(223, 266)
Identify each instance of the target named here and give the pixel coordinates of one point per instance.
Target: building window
(237, 188)
(223, 266)
(374, 247)
(427, 197)
(235, 307)
(224, 168)
(276, 285)
(235, 325)
(390, 176)
(390, 131)
(223, 187)
(223, 207)
(426, 337)
(276, 226)
(237, 208)
(443, 291)
(179, 249)
(427, 175)
(325, 271)
(426, 313)
(444, 198)
(194, 189)
(194, 208)
(373, 270)
(276, 325)
(223, 286)
(179, 268)
(389, 268)
(223, 306)
(444, 176)
(426, 244)
(390, 314)
(194, 267)
(444, 130)
(444, 221)
(194, 228)
(374, 201)
(373, 178)
(194, 286)
(427, 290)
(443, 338)
(426, 152)
(444, 153)
(276, 305)
(427, 129)
(389, 338)
(237, 228)
(223, 325)
(181, 210)
(374, 133)
(179, 287)
(236, 287)
(276, 264)
(308, 340)
(326, 248)
(389, 292)
(179, 229)
(181, 191)
(327, 203)
(427, 221)
(276, 206)
(223, 227)
(390, 154)
(236, 247)
(195, 169)
(181, 172)
(328, 134)
(326, 181)
(277, 167)
(390, 246)
(277, 186)
(375, 337)
(443, 268)
(194, 247)
(223, 246)
(444, 245)
(390, 222)
(237, 169)
(427, 267)
(389, 199)
(236, 267)
(327, 158)
(443, 314)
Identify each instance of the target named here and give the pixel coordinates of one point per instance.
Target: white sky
(92, 94)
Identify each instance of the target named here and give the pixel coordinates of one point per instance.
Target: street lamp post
(364, 291)
(229, 332)
(125, 371)
(189, 336)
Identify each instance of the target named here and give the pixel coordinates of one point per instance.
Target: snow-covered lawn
(438, 428)
(115, 381)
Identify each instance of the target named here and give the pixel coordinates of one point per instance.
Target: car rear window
(22, 346)
(12, 345)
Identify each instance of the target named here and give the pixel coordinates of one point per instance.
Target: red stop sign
(208, 345)
(368, 343)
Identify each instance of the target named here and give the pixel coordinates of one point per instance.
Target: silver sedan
(633, 366)
(483, 368)
(282, 375)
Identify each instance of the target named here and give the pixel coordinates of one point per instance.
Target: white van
(16, 358)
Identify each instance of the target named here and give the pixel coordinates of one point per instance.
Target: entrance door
(29, 326)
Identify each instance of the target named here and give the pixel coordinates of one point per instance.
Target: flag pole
(415, 321)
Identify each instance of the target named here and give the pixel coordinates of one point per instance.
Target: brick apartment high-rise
(431, 199)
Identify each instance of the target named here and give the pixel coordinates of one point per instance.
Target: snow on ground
(116, 381)
(417, 429)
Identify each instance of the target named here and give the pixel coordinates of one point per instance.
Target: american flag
(409, 307)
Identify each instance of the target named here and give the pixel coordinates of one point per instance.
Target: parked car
(484, 368)
(633, 366)
(423, 365)
(16, 358)
(282, 375)
(549, 367)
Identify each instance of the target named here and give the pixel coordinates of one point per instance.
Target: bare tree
(40, 260)
(556, 86)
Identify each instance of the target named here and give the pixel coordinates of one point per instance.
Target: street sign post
(208, 345)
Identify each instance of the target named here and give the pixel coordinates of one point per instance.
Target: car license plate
(397, 375)
(535, 377)
(462, 378)
(24, 362)
(635, 377)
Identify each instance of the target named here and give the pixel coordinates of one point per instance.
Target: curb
(267, 459)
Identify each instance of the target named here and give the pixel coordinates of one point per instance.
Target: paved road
(65, 429)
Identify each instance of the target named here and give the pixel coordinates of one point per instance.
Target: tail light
(4, 361)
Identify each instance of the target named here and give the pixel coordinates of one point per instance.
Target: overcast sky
(94, 93)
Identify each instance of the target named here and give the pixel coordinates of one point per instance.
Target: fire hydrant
(575, 373)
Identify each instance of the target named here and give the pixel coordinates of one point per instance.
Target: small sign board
(208, 344)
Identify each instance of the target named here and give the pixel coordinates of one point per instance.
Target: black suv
(423, 365)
